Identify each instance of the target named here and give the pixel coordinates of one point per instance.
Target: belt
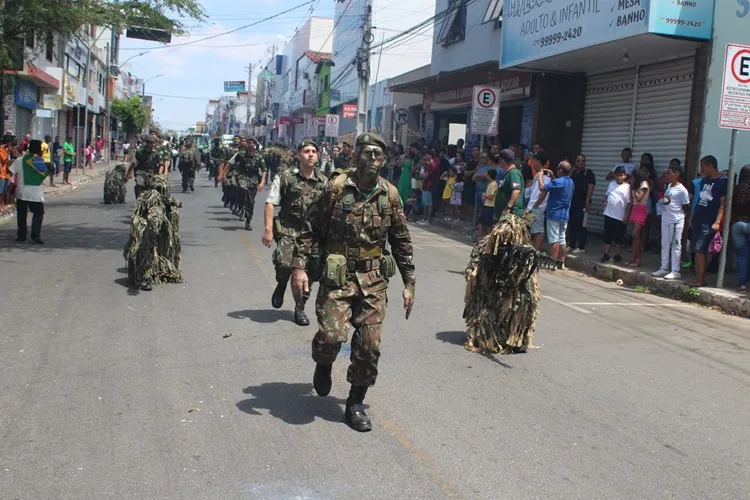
(362, 266)
(355, 253)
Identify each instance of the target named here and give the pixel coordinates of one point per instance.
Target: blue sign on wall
(685, 18)
(533, 30)
(25, 94)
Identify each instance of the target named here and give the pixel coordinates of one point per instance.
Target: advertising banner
(350, 110)
(684, 18)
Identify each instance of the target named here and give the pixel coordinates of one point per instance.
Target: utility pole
(249, 83)
(363, 68)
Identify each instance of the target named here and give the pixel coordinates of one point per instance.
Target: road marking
(567, 304)
(638, 304)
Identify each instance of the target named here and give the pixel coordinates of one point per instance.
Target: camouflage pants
(361, 303)
(246, 200)
(188, 176)
(283, 255)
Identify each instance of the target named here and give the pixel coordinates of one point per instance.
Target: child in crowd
(488, 211)
(675, 204)
(457, 196)
(449, 176)
(615, 210)
(638, 217)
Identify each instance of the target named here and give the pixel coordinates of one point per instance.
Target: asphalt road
(630, 396)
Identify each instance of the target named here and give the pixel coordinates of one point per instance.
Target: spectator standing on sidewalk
(430, 177)
(470, 187)
(488, 207)
(538, 206)
(57, 152)
(24, 146)
(675, 205)
(584, 182)
(741, 227)
(69, 154)
(31, 170)
(47, 155)
(5, 162)
(560, 192)
(99, 144)
(709, 212)
(615, 212)
(510, 193)
(626, 156)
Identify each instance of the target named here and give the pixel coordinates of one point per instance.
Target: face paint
(369, 161)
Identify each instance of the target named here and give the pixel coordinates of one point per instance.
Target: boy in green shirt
(68, 156)
(509, 197)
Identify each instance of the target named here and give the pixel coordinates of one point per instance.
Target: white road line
(638, 304)
(567, 304)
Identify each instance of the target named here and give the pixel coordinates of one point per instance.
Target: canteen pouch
(276, 229)
(335, 271)
(387, 266)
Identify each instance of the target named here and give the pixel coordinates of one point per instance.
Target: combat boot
(277, 299)
(322, 379)
(300, 316)
(354, 415)
(247, 224)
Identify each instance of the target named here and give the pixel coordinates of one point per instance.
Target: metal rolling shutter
(608, 111)
(663, 111)
(62, 125)
(23, 122)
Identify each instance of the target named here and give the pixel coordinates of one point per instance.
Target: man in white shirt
(31, 170)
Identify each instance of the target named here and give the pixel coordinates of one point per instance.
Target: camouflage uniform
(342, 165)
(358, 227)
(218, 155)
(248, 167)
(190, 159)
(229, 185)
(147, 164)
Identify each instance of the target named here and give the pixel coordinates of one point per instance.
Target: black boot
(300, 316)
(277, 299)
(354, 415)
(322, 379)
(247, 224)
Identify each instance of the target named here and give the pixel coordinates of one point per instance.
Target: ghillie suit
(114, 184)
(502, 289)
(153, 252)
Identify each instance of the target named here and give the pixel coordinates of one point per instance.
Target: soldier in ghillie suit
(190, 160)
(343, 163)
(354, 220)
(294, 190)
(146, 163)
(153, 250)
(114, 184)
(502, 289)
(251, 177)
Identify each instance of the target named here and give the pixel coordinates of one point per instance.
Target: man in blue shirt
(708, 213)
(560, 195)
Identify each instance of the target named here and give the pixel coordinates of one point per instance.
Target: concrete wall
(731, 25)
(482, 42)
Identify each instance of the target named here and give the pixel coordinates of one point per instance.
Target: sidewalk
(78, 178)
(726, 299)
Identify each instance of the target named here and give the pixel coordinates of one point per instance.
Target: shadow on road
(454, 272)
(263, 315)
(295, 404)
(68, 236)
(124, 282)
(455, 338)
(223, 219)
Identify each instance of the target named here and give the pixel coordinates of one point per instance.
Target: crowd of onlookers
(480, 185)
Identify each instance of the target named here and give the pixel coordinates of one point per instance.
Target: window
(494, 12)
(49, 46)
(453, 28)
(30, 39)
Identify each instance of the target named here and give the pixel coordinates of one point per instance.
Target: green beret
(371, 139)
(307, 142)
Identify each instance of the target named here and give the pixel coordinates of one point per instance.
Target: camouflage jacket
(220, 153)
(342, 215)
(147, 161)
(342, 165)
(190, 155)
(295, 193)
(249, 165)
(164, 152)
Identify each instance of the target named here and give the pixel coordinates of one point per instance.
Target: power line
(170, 46)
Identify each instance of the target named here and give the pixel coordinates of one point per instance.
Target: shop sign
(735, 95)
(52, 101)
(43, 113)
(70, 95)
(25, 94)
(429, 128)
(512, 86)
(485, 110)
(683, 18)
(387, 97)
(298, 120)
(90, 104)
(284, 120)
(534, 30)
(350, 110)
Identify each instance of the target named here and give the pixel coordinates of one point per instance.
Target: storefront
(632, 74)
(447, 102)
(25, 98)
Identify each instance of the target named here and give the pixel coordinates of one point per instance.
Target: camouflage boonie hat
(307, 142)
(370, 139)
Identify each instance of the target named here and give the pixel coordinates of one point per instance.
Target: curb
(66, 189)
(677, 290)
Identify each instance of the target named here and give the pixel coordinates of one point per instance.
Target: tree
(131, 113)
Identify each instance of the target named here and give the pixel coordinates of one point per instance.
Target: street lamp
(114, 69)
(143, 89)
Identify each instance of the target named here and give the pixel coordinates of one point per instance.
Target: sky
(193, 74)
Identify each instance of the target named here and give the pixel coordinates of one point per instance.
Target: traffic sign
(485, 110)
(332, 125)
(401, 116)
(735, 94)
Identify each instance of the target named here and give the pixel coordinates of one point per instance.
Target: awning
(36, 75)
(445, 79)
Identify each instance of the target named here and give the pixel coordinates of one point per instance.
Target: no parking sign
(485, 110)
(735, 95)
(332, 125)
